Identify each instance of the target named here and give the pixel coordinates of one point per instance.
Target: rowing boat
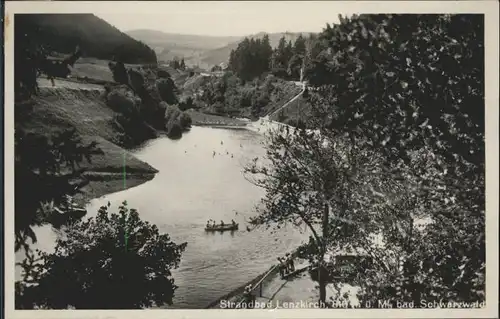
(224, 227)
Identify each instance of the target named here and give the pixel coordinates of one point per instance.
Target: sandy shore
(202, 119)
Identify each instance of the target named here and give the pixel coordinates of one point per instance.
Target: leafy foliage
(418, 97)
(251, 58)
(166, 88)
(119, 71)
(176, 121)
(176, 64)
(147, 105)
(325, 183)
(255, 57)
(48, 178)
(406, 92)
(112, 261)
(229, 95)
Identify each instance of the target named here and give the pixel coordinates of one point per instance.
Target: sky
(221, 18)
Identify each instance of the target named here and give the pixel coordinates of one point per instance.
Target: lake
(191, 187)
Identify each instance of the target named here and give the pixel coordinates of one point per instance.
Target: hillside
(204, 51)
(55, 109)
(62, 33)
(157, 38)
(170, 45)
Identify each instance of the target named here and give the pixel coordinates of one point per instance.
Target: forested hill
(217, 56)
(97, 38)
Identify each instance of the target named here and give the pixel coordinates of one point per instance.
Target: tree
(72, 151)
(112, 261)
(299, 47)
(119, 71)
(266, 52)
(297, 58)
(216, 68)
(325, 183)
(280, 55)
(251, 58)
(294, 66)
(411, 107)
(136, 83)
(166, 88)
(42, 163)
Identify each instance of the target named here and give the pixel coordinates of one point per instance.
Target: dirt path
(68, 84)
(302, 84)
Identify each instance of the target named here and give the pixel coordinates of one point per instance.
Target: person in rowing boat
(233, 222)
(222, 223)
(208, 223)
(248, 298)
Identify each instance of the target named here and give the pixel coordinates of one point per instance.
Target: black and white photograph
(264, 157)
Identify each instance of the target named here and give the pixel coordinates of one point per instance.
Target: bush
(172, 113)
(119, 71)
(246, 97)
(185, 120)
(112, 261)
(121, 100)
(174, 129)
(166, 89)
(162, 74)
(136, 80)
(187, 104)
(151, 110)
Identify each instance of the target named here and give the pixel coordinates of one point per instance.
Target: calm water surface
(192, 187)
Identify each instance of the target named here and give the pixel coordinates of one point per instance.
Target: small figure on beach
(213, 155)
(281, 267)
(221, 143)
(289, 261)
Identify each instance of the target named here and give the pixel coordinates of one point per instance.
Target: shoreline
(106, 183)
(108, 180)
(202, 119)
